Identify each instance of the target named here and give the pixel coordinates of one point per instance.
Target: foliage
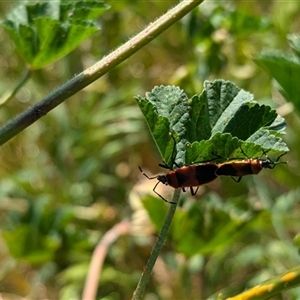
(45, 32)
(72, 175)
(219, 121)
(225, 121)
(279, 64)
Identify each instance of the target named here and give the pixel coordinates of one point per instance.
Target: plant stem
(10, 94)
(267, 289)
(95, 269)
(139, 291)
(94, 72)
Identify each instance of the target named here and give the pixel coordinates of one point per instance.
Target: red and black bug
(250, 166)
(185, 177)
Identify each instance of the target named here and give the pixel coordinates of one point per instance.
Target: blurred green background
(68, 178)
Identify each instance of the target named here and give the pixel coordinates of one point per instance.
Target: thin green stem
(139, 291)
(10, 94)
(94, 72)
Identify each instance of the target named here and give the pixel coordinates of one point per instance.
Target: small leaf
(45, 32)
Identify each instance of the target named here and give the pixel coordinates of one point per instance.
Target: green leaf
(166, 109)
(247, 120)
(208, 226)
(223, 145)
(45, 32)
(205, 227)
(220, 122)
(223, 99)
(278, 125)
(286, 71)
(268, 141)
(156, 210)
(294, 41)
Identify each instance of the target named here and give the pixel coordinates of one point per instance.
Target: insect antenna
(160, 179)
(147, 176)
(271, 164)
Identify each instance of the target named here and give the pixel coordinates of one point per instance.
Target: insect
(250, 166)
(185, 177)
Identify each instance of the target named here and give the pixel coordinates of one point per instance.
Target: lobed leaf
(45, 32)
(224, 121)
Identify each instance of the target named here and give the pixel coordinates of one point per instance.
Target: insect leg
(280, 157)
(193, 193)
(236, 180)
(159, 195)
(244, 152)
(165, 166)
(173, 153)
